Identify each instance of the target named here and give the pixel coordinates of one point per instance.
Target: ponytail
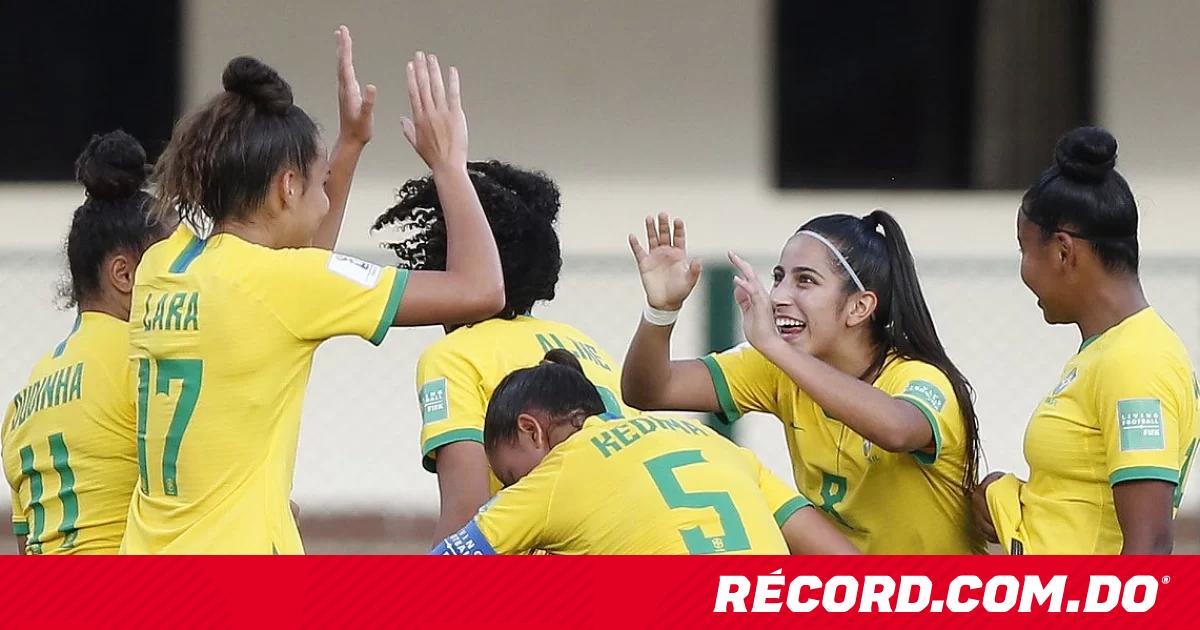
(877, 252)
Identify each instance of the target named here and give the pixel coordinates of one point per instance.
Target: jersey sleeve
(927, 388)
(1140, 407)
(19, 525)
(517, 520)
(782, 498)
(744, 381)
(318, 294)
(450, 393)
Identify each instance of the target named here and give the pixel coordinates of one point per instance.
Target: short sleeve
(450, 393)
(782, 498)
(1140, 407)
(19, 525)
(744, 381)
(318, 294)
(519, 518)
(927, 388)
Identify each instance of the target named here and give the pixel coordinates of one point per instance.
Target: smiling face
(813, 309)
(1043, 270)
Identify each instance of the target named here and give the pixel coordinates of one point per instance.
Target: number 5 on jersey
(190, 375)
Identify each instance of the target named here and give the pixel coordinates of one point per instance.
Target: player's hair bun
(258, 82)
(1086, 154)
(563, 357)
(112, 166)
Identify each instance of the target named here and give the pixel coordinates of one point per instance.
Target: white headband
(842, 259)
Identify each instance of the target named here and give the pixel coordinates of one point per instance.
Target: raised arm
(649, 378)
(472, 286)
(356, 108)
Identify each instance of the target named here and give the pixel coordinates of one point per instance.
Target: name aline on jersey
(170, 313)
(58, 388)
(611, 441)
(582, 351)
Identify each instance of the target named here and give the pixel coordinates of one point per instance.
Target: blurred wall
(637, 107)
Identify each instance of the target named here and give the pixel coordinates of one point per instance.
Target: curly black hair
(521, 206)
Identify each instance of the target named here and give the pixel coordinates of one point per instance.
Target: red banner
(599, 592)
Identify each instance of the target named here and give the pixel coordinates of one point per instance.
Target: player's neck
(855, 358)
(116, 306)
(250, 231)
(1110, 303)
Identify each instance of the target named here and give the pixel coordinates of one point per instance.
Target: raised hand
(438, 127)
(668, 276)
(356, 106)
(758, 314)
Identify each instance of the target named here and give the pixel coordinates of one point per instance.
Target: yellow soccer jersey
(646, 485)
(69, 451)
(885, 503)
(1124, 409)
(223, 333)
(457, 375)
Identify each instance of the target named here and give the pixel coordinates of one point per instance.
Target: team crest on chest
(1063, 384)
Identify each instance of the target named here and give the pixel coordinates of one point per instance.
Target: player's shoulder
(158, 257)
(917, 379)
(1144, 344)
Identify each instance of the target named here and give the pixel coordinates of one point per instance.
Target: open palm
(668, 276)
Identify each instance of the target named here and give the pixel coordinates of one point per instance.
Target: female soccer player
(224, 327)
(69, 451)
(578, 484)
(879, 421)
(457, 375)
(1110, 446)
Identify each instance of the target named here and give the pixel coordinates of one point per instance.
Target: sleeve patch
(359, 271)
(927, 393)
(434, 403)
(468, 541)
(1140, 424)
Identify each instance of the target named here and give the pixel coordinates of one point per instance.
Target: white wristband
(658, 317)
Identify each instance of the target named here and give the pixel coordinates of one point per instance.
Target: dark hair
(115, 216)
(902, 323)
(521, 207)
(1083, 195)
(557, 387)
(222, 157)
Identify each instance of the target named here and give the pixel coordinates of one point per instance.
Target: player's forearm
(808, 532)
(343, 161)
(472, 260)
(646, 372)
(463, 485)
(893, 425)
(1145, 512)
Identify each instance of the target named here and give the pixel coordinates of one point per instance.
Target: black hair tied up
(258, 82)
(116, 216)
(557, 387)
(1086, 155)
(1083, 195)
(112, 166)
(875, 247)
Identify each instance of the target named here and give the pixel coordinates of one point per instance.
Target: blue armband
(468, 541)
